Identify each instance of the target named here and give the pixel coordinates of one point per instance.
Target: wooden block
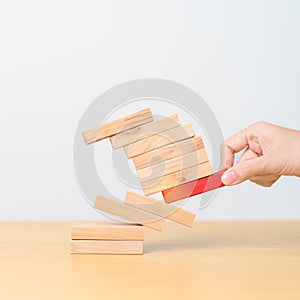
(173, 165)
(106, 247)
(193, 188)
(143, 131)
(129, 213)
(159, 184)
(168, 152)
(107, 231)
(161, 209)
(159, 140)
(117, 126)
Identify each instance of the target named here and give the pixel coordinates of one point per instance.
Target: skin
(269, 152)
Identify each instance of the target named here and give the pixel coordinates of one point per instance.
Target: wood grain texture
(172, 165)
(129, 213)
(193, 188)
(168, 152)
(111, 128)
(106, 247)
(161, 209)
(248, 260)
(159, 140)
(140, 132)
(159, 184)
(107, 231)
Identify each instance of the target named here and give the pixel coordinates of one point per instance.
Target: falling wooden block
(163, 183)
(128, 212)
(106, 247)
(158, 140)
(168, 152)
(159, 208)
(172, 165)
(117, 126)
(140, 132)
(106, 231)
(193, 188)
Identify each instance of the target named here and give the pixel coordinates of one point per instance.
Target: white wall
(56, 57)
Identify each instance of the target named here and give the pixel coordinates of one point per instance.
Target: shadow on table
(248, 235)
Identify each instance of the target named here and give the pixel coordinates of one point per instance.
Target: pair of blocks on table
(107, 238)
(164, 153)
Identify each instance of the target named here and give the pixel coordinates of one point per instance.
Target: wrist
(295, 153)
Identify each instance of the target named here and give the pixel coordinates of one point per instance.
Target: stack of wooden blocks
(124, 238)
(168, 157)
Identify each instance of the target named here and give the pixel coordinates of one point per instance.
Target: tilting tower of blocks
(169, 158)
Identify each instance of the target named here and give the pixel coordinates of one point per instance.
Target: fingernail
(229, 177)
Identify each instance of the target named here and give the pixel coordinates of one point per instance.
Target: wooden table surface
(213, 260)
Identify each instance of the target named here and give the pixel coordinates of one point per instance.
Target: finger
(245, 170)
(263, 183)
(233, 145)
(248, 154)
(266, 180)
(253, 143)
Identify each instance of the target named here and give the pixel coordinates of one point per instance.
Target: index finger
(234, 144)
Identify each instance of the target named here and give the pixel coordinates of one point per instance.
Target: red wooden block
(193, 188)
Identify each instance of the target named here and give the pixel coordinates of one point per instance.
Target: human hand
(270, 151)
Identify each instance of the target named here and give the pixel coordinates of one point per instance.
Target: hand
(269, 152)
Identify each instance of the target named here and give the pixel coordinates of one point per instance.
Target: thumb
(244, 170)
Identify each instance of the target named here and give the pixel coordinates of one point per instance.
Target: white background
(56, 57)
